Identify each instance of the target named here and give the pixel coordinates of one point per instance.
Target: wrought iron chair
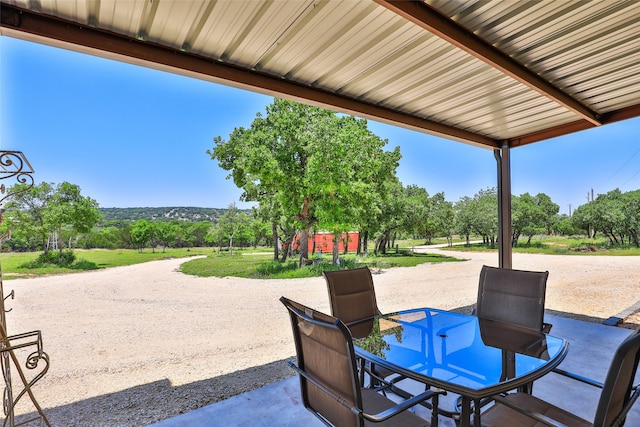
(329, 377)
(513, 296)
(617, 397)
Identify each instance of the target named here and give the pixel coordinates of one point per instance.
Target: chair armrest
(404, 405)
(578, 378)
(532, 414)
(376, 418)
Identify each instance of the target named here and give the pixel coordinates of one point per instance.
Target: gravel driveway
(137, 344)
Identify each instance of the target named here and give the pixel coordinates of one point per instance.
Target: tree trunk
(346, 244)
(365, 243)
(313, 246)
(336, 240)
(276, 250)
(304, 245)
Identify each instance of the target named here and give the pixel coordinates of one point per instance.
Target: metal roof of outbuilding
(489, 73)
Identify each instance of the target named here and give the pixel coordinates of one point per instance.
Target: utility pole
(569, 209)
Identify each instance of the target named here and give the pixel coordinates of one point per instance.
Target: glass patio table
(474, 358)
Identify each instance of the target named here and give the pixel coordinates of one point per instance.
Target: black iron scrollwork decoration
(15, 164)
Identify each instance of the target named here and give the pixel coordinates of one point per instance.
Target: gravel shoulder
(133, 345)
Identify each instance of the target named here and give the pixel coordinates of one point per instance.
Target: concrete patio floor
(278, 404)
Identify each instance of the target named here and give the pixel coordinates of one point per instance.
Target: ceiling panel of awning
(493, 74)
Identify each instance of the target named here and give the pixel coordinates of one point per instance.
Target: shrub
(83, 264)
(46, 259)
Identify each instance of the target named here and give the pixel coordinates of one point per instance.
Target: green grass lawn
(558, 245)
(251, 262)
(262, 266)
(103, 258)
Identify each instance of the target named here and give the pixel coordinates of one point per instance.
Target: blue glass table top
(473, 357)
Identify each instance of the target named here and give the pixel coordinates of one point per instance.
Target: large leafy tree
(27, 209)
(233, 225)
(479, 215)
(48, 209)
(68, 208)
(527, 218)
(418, 205)
(440, 219)
(532, 215)
(464, 218)
(306, 164)
(392, 217)
(142, 232)
(631, 200)
(614, 214)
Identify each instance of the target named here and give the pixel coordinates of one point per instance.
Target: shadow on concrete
(145, 404)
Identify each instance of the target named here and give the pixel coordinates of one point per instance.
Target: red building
(324, 242)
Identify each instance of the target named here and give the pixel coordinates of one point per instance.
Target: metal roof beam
(23, 24)
(577, 126)
(433, 21)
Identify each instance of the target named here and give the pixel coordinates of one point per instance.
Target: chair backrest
(512, 296)
(353, 298)
(325, 352)
(617, 395)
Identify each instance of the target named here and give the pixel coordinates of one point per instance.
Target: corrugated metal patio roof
(490, 73)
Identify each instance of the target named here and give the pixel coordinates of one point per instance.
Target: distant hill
(191, 214)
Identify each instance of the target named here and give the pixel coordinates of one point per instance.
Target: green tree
(48, 209)
(67, 207)
(484, 207)
(464, 218)
(631, 201)
(478, 215)
(304, 163)
(564, 225)
(260, 229)
(527, 218)
(165, 233)
(233, 225)
(440, 218)
(28, 207)
(215, 236)
(141, 233)
(549, 210)
(584, 218)
(392, 217)
(194, 234)
(418, 205)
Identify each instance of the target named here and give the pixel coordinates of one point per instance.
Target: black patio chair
(329, 376)
(616, 399)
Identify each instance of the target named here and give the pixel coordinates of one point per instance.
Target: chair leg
(526, 388)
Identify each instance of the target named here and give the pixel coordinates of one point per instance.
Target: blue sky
(135, 137)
